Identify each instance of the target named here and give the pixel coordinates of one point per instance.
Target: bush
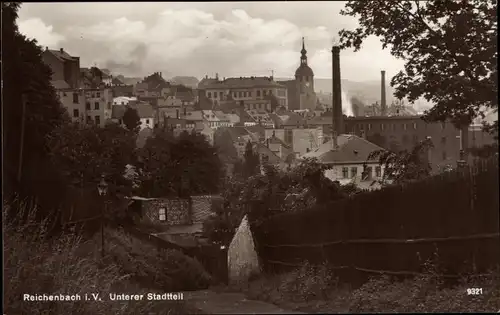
(65, 265)
(316, 289)
(167, 270)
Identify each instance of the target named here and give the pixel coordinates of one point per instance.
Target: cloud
(232, 40)
(194, 42)
(44, 34)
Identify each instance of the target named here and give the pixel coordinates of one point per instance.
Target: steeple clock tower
(304, 80)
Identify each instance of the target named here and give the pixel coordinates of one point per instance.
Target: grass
(317, 289)
(70, 264)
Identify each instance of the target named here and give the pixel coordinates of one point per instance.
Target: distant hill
(368, 92)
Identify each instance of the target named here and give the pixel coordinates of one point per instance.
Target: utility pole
(21, 144)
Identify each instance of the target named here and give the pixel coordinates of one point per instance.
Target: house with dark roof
(348, 159)
(65, 68)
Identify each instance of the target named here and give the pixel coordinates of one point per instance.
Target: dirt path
(210, 302)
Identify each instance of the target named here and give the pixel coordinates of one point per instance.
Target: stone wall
(242, 257)
(204, 206)
(176, 210)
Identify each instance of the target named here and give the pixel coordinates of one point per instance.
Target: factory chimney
(383, 102)
(338, 119)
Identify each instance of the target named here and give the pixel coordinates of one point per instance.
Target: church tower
(304, 80)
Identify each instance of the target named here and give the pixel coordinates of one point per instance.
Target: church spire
(303, 57)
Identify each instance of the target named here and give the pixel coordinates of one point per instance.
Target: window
(147, 121)
(369, 126)
(404, 126)
(76, 113)
(258, 93)
(443, 140)
(382, 126)
(97, 120)
(75, 98)
(378, 171)
(89, 119)
(393, 126)
(162, 214)
(345, 172)
(289, 136)
(123, 103)
(354, 171)
(250, 94)
(87, 105)
(109, 105)
(415, 126)
(221, 94)
(209, 94)
(98, 94)
(96, 105)
(368, 173)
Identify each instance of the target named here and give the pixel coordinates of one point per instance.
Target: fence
(394, 230)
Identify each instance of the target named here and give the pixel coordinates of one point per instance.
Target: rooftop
(242, 82)
(351, 149)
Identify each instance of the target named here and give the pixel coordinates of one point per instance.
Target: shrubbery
(166, 270)
(316, 289)
(277, 191)
(66, 265)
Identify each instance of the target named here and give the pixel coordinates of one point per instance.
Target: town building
(65, 68)
(74, 102)
(348, 161)
(124, 100)
(241, 90)
(98, 105)
(300, 91)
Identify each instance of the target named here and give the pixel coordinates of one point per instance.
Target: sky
(196, 39)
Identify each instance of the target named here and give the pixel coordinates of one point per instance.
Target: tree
(84, 153)
(22, 62)
(179, 166)
(131, 119)
(450, 50)
(404, 166)
(251, 162)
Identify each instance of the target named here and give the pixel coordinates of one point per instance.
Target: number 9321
(474, 291)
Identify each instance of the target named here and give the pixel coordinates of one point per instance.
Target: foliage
(316, 289)
(179, 166)
(68, 264)
(22, 62)
(302, 187)
(167, 270)
(131, 119)
(448, 43)
(84, 153)
(251, 161)
(403, 166)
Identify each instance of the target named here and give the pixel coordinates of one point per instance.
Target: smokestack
(338, 121)
(383, 105)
